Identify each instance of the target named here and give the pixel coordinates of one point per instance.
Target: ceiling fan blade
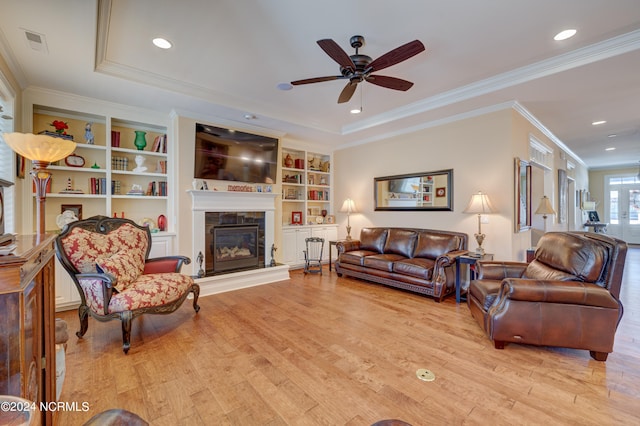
(397, 55)
(316, 80)
(347, 92)
(336, 53)
(390, 82)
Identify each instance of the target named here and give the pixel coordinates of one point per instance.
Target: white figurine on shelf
(88, 134)
(139, 162)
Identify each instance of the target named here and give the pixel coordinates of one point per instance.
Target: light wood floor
(328, 351)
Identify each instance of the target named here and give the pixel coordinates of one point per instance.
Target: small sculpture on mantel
(273, 255)
(200, 259)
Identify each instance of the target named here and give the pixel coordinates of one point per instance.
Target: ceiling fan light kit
(358, 67)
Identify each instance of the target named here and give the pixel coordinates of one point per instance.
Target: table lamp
(348, 207)
(479, 204)
(42, 150)
(545, 208)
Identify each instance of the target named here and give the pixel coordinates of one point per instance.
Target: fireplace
(234, 241)
(234, 247)
(226, 208)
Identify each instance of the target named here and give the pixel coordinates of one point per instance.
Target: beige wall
(480, 150)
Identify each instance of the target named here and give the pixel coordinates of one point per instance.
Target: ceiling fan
(358, 68)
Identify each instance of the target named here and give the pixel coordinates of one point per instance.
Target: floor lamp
(348, 207)
(479, 204)
(42, 150)
(545, 208)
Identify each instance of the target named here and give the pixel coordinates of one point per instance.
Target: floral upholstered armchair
(107, 259)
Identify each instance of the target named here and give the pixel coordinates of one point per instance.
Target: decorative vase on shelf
(140, 141)
(288, 161)
(162, 222)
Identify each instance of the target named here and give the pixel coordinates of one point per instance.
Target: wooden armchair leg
(195, 289)
(498, 344)
(125, 317)
(83, 314)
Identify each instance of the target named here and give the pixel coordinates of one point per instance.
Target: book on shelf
(119, 163)
(159, 144)
(318, 195)
(115, 187)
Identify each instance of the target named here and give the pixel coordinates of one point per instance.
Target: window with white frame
(7, 158)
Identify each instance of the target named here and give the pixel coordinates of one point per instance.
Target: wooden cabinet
(27, 330)
(293, 241)
(329, 233)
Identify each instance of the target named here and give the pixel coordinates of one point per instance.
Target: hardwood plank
(323, 350)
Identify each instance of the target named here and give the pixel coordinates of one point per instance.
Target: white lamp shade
(39, 147)
(479, 204)
(349, 206)
(545, 206)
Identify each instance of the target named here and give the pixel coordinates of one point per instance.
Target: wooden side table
(471, 261)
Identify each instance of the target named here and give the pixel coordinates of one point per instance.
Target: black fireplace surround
(234, 242)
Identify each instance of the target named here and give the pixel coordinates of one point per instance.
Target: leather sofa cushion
(401, 241)
(485, 292)
(571, 254)
(431, 245)
(383, 262)
(417, 267)
(355, 257)
(373, 239)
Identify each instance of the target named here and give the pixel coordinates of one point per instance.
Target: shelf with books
(306, 186)
(100, 172)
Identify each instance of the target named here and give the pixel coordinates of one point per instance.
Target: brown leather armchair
(567, 296)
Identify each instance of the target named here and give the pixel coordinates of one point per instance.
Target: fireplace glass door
(234, 247)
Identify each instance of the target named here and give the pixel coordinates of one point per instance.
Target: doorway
(623, 207)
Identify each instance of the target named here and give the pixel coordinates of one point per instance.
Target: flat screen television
(226, 154)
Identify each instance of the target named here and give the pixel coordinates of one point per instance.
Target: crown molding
(596, 52)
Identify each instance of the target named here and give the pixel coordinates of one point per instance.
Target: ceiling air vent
(36, 41)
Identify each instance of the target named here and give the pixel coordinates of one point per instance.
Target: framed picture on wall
(296, 218)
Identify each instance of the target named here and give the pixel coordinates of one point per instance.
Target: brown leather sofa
(566, 297)
(418, 260)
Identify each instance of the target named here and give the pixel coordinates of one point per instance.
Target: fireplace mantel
(232, 201)
(235, 201)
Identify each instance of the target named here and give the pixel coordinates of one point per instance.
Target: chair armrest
(347, 245)
(108, 283)
(450, 258)
(493, 270)
(159, 265)
(569, 292)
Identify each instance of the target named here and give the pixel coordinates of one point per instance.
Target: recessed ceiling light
(610, 149)
(284, 86)
(597, 123)
(249, 117)
(612, 135)
(356, 111)
(162, 43)
(563, 35)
